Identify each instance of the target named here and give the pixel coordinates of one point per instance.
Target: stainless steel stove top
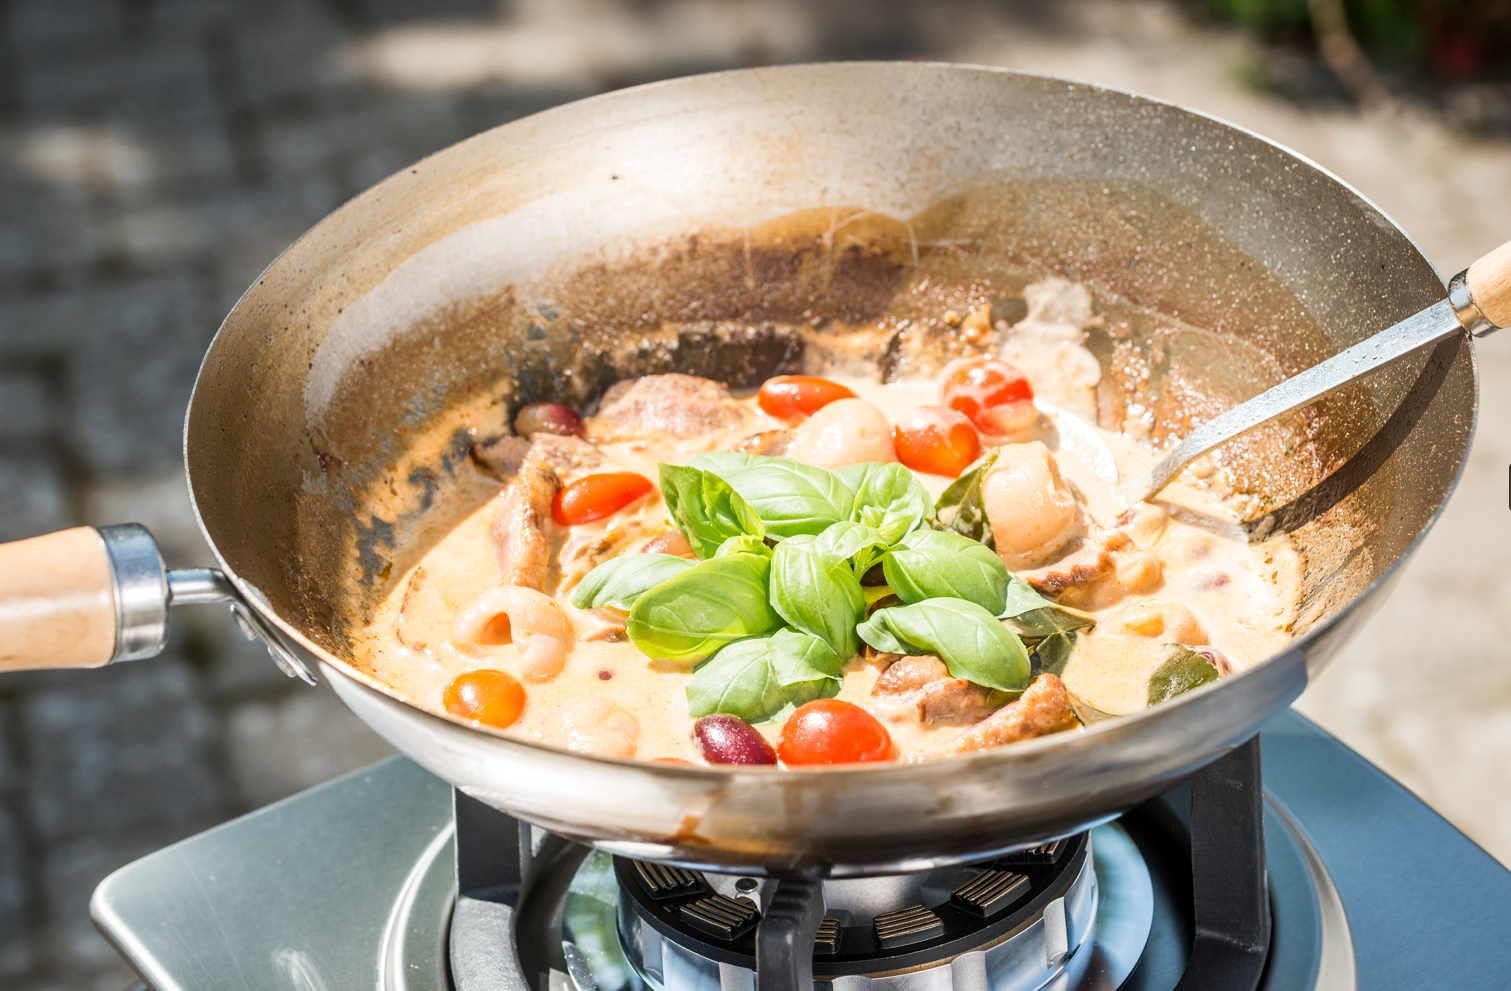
(352, 885)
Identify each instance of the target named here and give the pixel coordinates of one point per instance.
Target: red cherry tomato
(937, 440)
(828, 731)
(490, 697)
(787, 397)
(974, 386)
(597, 496)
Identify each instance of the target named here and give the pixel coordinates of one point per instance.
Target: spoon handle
(1479, 301)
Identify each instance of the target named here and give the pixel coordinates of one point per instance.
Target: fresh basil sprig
(619, 581)
(702, 608)
(961, 508)
(706, 509)
(930, 564)
(1181, 670)
(791, 497)
(972, 642)
(818, 596)
(1031, 615)
(758, 677)
(856, 543)
(888, 497)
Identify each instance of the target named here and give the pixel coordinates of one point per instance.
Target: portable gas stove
(1329, 876)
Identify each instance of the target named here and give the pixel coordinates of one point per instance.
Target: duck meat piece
(955, 702)
(1086, 561)
(909, 673)
(653, 406)
(519, 530)
(1041, 710)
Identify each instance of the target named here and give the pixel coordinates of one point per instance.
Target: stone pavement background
(155, 155)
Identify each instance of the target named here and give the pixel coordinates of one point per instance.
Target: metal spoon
(1479, 302)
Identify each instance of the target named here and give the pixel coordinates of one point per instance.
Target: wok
(722, 225)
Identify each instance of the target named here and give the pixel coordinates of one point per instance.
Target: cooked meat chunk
(1098, 570)
(1043, 709)
(519, 536)
(954, 701)
(908, 674)
(502, 458)
(1084, 562)
(938, 697)
(681, 406)
(772, 443)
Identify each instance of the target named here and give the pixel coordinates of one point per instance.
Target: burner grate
(990, 892)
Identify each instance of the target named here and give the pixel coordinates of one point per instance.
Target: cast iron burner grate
(952, 928)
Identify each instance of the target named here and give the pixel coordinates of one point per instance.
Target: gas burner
(1010, 922)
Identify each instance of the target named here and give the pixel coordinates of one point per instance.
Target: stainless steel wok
(721, 225)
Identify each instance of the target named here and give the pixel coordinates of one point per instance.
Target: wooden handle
(1490, 285)
(57, 602)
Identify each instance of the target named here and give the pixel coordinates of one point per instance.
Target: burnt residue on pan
(1189, 326)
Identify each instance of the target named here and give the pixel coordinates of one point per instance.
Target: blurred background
(155, 155)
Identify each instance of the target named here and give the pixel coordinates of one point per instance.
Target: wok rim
(1003, 756)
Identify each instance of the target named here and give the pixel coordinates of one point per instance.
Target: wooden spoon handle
(1489, 283)
(57, 602)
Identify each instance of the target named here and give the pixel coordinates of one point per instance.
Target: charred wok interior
(736, 227)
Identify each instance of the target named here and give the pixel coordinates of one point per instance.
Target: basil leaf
(759, 677)
(856, 543)
(1031, 615)
(697, 611)
(791, 498)
(960, 507)
(1053, 652)
(817, 597)
(619, 581)
(745, 543)
(799, 658)
(888, 497)
(931, 564)
(973, 644)
(1181, 670)
(706, 509)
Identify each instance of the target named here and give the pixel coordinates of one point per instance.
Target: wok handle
(1488, 285)
(57, 602)
(85, 597)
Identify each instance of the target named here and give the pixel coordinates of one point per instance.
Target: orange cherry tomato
(828, 731)
(974, 386)
(489, 696)
(597, 496)
(787, 397)
(937, 440)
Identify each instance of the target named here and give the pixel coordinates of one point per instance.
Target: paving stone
(27, 409)
(127, 747)
(279, 747)
(16, 908)
(130, 381)
(33, 499)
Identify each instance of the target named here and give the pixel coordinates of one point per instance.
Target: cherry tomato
(788, 397)
(828, 731)
(490, 697)
(937, 440)
(976, 386)
(597, 496)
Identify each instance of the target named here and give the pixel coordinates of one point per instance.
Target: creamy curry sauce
(1205, 586)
